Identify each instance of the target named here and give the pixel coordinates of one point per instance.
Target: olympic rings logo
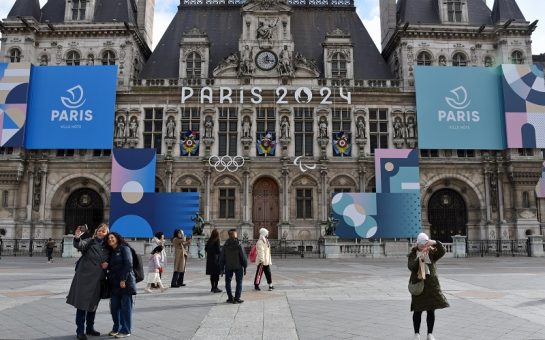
(228, 163)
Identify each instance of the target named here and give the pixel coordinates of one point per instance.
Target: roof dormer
(453, 11)
(79, 10)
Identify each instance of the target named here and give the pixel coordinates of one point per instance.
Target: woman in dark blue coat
(123, 284)
(212, 260)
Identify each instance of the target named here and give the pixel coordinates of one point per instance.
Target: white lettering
(281, 92)
(325, 99)
(256, 93)
(187, 92)
(347, 97)
(224, 96)
(206, 93)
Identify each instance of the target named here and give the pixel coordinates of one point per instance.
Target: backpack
(137, 266)
(253, 254)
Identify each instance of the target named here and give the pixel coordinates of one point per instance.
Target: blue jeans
(239, 274)
(81, 317)
(121, 309)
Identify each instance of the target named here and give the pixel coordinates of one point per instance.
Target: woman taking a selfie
(84, 292)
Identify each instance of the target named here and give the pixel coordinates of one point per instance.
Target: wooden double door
(265, 207)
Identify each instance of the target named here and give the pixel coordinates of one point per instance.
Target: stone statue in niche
(120, 128)
(246, 63)
(246, 128)
(285, 68)
(442, 61)
(398, 126)
(285, 128)
(171, 127)
(265, 30)
(231, 60)
(208, 127)
(360, 127)
(411, 128)
(133, 128)
(322, 127)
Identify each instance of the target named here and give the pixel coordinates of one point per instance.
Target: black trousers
(259, 273)
(214, 279)
(430, 320)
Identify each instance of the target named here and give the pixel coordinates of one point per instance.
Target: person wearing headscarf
(422, 264)
(264, 259)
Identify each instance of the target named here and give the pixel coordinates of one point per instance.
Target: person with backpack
(233, 261)
(122, 280)
(180, 258)
(263, 259)
(213, 251)
(90, 269)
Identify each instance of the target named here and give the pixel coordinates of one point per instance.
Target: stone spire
(506, 9)
(26, 8)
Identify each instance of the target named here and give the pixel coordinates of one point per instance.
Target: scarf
(424, 268)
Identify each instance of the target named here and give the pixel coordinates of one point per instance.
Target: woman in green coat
(422, 259)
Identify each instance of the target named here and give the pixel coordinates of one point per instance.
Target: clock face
(266, 60)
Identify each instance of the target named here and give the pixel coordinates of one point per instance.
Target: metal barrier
(498, 248)
(28, 247)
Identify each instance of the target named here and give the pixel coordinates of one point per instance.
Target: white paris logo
(76, 100)
(461, 101)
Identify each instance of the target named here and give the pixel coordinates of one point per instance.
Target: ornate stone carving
(120, 127)
(360, 127)
(246, 66)
(133, 128)
(300, 61)
(231, 61)
(265, 30)
(246, 127)
(284, 128)
(171, 128)
(285, 67)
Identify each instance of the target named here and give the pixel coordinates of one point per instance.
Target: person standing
(159, 240)
(264, 259)
(180, 258)
(84, 291)
(123, 285)
(199, 249)
(49, 247)
(154, 267)
(421, 263)
(213, 251)
(233, 261)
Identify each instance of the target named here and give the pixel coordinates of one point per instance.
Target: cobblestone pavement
(491, 298)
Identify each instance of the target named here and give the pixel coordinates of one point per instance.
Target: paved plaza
(491, 298)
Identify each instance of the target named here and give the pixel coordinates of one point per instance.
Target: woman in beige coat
(264, 259)
(180, 257)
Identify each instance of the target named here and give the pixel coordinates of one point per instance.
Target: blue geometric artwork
(394, 210)
(14, 79)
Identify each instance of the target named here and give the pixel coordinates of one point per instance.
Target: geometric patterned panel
(14, 79)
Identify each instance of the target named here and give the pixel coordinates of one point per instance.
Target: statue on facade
(285, 128)
(284, 65)
(120, 128)
(246, 128)
(199, 224)
(322, 126)
(398, 126)
(442, 61)
(331, 225)
(265, 31)
(246, 63)
(133, 128)
(360, 126)
(171, 126)
(230, 61)
(208, 127)
(411, 128)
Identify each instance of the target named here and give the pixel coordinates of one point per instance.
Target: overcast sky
(368, 11)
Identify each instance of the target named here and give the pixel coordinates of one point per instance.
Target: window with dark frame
(423, 59)
(227, 203)
(153, 128)
(108, 58)
(73, 58)
(454, 9)
(191, 119)
(304, 203)
(304, 131)
(78, 9)
(227, 134)
(517, 58)
(102, 152)
(526, 152)
(465, 153)
(459, 59)
(266, 121)
(341, 121)
(65, 152)
(338, 65)
(189, 189)
(44, 60)
(193, 65)
(378, 129)
(15, 55)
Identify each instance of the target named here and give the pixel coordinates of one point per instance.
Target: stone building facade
(303, 74)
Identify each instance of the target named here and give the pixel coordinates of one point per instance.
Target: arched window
(517, 58)
(459, 59)
(73, 58)
(44, 60)
(193, 69)
(454, 8)
(91, 59)
(423, 58)
(108, 58)
(15, 55)
(338, 66)
(78, 9)
(488, 61)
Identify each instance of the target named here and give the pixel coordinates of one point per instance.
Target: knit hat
(422, 239)
(263, 232)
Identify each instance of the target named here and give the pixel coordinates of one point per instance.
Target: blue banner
(71, 107)
(460, 108)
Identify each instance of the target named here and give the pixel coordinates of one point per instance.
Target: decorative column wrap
(207, 194)
(30, 192)
(43, 171)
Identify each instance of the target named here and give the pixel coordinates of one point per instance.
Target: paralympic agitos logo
(458, 112)
(72, 111)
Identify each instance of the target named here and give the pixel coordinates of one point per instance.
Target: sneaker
(416, 336)
(164, 289)
(257, 288)
(271, 288)
(217, 290)
(230, 300)
(123, 335)
(113, 333)
(92, 332)
(238, 301)
(430, 337)
(147, 290)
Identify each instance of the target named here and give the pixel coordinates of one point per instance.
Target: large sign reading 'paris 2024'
(71, 107)
(460, 108)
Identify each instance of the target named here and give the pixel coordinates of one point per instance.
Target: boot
(181, 279)
(216, 289)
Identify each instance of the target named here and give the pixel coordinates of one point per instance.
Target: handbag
(160, 270)
(105, 289)
(416, 288)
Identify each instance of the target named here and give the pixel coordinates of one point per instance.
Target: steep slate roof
(223, 25)
(25, 8)
(506, 9)
(426, 12)
(105, 11)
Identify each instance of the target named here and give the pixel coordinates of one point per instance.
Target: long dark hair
(120, 240)
(176, 232)
(156, 250)
(214, 237)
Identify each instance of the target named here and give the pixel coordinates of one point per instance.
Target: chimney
(146, 9)
(388, 20)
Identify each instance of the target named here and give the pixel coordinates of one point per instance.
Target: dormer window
(338, 65)
(194, 62)
(454, 9)
(78, 9)
(15, 55)
(73, 58)
(423, 59)
(517, 58)
(108, 58)
(459, 59)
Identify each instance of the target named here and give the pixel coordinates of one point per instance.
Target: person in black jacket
(123, 283)
(212, 250)
(233, 261)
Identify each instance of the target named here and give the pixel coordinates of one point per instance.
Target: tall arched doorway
(447, 214)
(84, 206)
(265, 207)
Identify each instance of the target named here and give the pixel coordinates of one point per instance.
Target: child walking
(154, 267)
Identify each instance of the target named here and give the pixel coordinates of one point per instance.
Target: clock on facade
(266, 60)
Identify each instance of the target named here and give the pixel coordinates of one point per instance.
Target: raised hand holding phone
(78, 232)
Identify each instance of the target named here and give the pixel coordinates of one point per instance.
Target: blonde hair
(102, 226)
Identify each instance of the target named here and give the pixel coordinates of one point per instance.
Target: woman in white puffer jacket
(264, 260)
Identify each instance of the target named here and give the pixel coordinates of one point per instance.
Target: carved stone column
(362, 171)
(169, 172)
(169, 142)
(323, 199)
(284, 227)
(504, 228)
(246, 227)
(246, 146)
(489, 226)
(207, 142)
(207, 194)
(284, 144)
(30, 192)
(361, 143)
(43, 172)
